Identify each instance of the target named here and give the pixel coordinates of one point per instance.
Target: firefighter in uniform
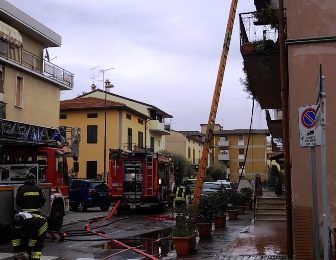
(180, 196)
(29, 227)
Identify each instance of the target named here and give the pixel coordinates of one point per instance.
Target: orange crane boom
(214, 104)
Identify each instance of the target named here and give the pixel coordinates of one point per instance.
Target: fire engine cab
(39, 150)
(140, 178)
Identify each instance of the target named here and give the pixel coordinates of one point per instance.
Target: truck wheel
(105, 206)
(56, 217)
(81, 206)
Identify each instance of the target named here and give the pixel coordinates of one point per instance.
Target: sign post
(309, 137)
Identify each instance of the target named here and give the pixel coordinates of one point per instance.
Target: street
(143, 229)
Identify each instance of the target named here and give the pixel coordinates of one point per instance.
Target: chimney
(93, 87)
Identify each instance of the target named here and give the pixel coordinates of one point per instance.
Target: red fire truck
(27, 148)
(140, 178)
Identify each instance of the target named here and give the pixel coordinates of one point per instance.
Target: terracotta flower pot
(184, 245)
(204, 231)
(233, 214)
(220, 222)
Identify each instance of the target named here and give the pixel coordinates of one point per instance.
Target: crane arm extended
(214, 104)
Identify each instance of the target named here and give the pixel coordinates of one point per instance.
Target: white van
(227, 184)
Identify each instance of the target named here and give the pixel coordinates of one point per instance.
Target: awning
(10, 34)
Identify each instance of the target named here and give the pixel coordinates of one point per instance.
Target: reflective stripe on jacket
(180, 194)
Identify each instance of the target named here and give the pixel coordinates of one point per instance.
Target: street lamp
(107, 85)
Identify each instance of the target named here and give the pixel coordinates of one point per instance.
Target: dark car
(88, 193)
(211, 187)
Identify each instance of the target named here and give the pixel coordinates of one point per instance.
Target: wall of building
(195, 149)
(256, 156)
(40, 99)
(307, 18)
(176, 142)
(32, 45)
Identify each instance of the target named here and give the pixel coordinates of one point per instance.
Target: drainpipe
(285, 125)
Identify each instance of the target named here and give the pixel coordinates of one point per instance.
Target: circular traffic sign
(308, 118)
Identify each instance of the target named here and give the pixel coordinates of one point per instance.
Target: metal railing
(35, 63)
(251, 32)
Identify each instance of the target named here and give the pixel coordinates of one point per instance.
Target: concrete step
(271, 200)
(270, 206)
(266, 216)
(271, 211)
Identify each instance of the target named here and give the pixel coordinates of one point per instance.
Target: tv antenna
(93, 74)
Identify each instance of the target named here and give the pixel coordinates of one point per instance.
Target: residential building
(309, 49)
(156, 126)
(229, 149)
(125, 129)
(29, 84)
(186, 143)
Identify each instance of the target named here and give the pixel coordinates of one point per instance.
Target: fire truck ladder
(11, 131)
(214, 104)
(149, 175)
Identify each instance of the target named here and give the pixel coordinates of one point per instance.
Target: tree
(183, 168)
(216, 172)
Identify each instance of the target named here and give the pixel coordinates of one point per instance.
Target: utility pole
(105, 85)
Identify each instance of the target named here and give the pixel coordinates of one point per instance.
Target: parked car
(227, 184)
(87, 194)
(211, 187)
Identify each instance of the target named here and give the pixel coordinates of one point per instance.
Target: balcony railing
(36, 64)
(257, 36)
(159, 127)
(223, 143)
(224, 157)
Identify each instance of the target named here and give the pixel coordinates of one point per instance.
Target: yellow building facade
(186, 143)
(29, 84)
(125, 129)
(229, 149)
(156, 126)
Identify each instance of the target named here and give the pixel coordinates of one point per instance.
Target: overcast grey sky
(165, 53)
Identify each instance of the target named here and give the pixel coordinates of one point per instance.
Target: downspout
(285, 125)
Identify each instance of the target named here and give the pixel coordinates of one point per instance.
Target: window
(193, 156)
(140, 121)
(92, 134)
(189, 153)
(92, 115)
(128, 116)
(152, 142)
(19, 92)
(159, 143)
(224, 152)
(241, 165)
(240, 137)
(223, 139)
(129, 139)
(1, 72)
(241, 151)
(91, 169)
(63, 116)
(140, 139)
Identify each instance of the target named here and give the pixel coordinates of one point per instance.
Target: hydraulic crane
(214, 104)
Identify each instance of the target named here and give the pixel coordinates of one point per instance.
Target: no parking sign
(308, 127)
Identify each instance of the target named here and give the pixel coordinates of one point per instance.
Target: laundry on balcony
(10, 34)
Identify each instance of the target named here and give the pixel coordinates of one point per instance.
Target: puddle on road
(157, 243)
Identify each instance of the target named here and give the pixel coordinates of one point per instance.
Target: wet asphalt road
(141, 228)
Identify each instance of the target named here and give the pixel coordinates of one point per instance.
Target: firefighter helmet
(30, 178)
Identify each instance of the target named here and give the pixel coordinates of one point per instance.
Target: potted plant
(220, 208)
(204, 217)
(247, 197)
(184, 232)
(233, 198)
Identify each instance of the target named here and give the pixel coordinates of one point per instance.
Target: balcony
(274, 124)
(34, 64)
(223, 157)
(241, 143)
(223, 143)
(259, 47)
(156, 126)
(241, 157)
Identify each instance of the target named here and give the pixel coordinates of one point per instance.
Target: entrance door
(91, 169)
